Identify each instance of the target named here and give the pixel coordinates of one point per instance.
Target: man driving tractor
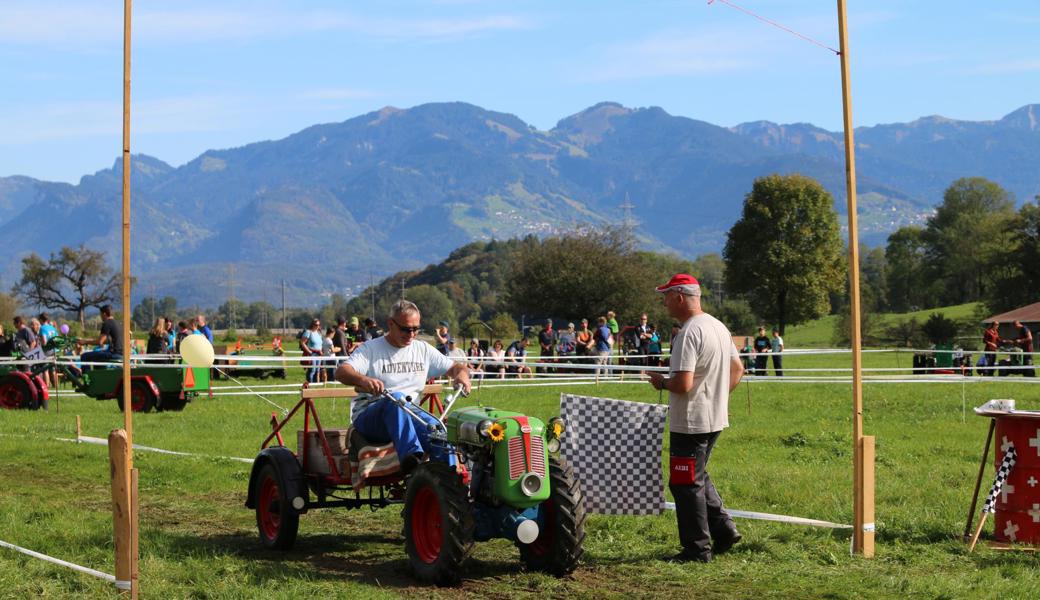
(396, 362)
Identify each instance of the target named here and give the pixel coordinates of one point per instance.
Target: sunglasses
(405, 329)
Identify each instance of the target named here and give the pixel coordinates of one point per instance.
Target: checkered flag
(1002, 474)
(615, 449)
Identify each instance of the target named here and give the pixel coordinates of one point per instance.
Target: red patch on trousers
(683, 470)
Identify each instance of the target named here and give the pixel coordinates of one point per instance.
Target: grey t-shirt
(704, 347)
(402, 370)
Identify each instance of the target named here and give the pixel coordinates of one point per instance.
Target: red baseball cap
(682, 283)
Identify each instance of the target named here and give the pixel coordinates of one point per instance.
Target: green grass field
(790, 455)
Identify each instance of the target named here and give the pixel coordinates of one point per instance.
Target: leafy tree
(504, 328)
(74, 279)
(262, 316)
(151, 308)
(710, 271)
(574, 275)
(784, 253)
(434, 305)
(869, 328)
(908, 286)
(1017, 272)
(964, 236)
(905, 332)
(939, 329)
(873, 268)
(8, 307)
(736, 314)
(232, 308)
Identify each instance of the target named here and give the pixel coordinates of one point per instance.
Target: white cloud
(75, 24)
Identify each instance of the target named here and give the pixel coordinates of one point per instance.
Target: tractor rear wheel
(438, 524)
(561, 521)
(142, 397)
(42, 393)
(276, 521)
(16, 392)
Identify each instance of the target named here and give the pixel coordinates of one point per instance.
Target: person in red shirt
(991, 340)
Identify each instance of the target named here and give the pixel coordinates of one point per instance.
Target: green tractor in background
(151, 387)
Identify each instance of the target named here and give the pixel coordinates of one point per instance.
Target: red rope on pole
(777, 25)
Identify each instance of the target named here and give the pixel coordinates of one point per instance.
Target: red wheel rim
(270, 519)
(10, 396)
(138, 398)
(426, 525)
(546, 531)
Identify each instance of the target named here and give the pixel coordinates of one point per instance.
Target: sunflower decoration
(497, 432)
(557, 428)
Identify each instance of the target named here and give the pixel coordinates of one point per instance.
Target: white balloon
(197, 351)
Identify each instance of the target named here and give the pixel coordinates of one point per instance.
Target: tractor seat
(371, 464)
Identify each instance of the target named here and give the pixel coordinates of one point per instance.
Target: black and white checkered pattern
(1002, 474)
(615, 449)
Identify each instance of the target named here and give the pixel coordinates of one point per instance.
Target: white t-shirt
(704, 347)
(402, 370)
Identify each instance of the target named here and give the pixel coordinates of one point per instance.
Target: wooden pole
(861, 538)
(978, 480)
(867, 453)
(134, 533)
(122, 506)
(79, 428)
(128, 419)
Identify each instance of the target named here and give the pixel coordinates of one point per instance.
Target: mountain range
(334, 206)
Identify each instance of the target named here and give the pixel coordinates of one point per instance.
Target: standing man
(604, 339)
(111, 334)
(310, 344)
(643, 335)
(340, 337)
(705, 367)
(200, 325)
(547, 341)
(1025, 342)
(777, 347)
(762, 346)
(991, 341)
(396, 362)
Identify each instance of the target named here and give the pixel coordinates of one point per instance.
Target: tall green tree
(1017, 272)
(151, 308)
(908, 287)
(784, 253)
(963, 237)
(74, 279)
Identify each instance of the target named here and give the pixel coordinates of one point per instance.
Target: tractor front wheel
(16, 392)
(438, 524)
(172, 401)
(142, 397)
(276, 521)
(561, 520)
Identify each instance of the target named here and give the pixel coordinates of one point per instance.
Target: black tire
(16, 392)
(142, 397)
(172, 401)
(438, 524)
(276, 522)
(560, 542)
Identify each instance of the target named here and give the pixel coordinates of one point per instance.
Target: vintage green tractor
(489, 474)
(153, 387)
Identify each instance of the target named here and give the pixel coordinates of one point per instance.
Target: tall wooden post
(122, 505)
(128, 419)
(863, 530)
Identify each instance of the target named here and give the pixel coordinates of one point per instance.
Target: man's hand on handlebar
(372, 386)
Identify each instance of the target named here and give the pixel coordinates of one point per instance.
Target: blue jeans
(383, 421)
(98, 356)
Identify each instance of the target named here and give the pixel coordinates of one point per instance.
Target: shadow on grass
(363, 558)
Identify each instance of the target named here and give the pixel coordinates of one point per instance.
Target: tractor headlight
(553, 445)
(556, 427)
(530, 484)
(485, 427)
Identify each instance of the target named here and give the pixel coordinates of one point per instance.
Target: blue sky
(223, 74)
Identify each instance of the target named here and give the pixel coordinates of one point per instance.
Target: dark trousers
(98, 356)
(778, 365)
(698, 506)
(761, 362)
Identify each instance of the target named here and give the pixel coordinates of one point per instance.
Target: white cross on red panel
(1035, 513)
(1005, 491)
(1010, 530)
(1035, 441)
(1004, 445)
(1032, 481)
